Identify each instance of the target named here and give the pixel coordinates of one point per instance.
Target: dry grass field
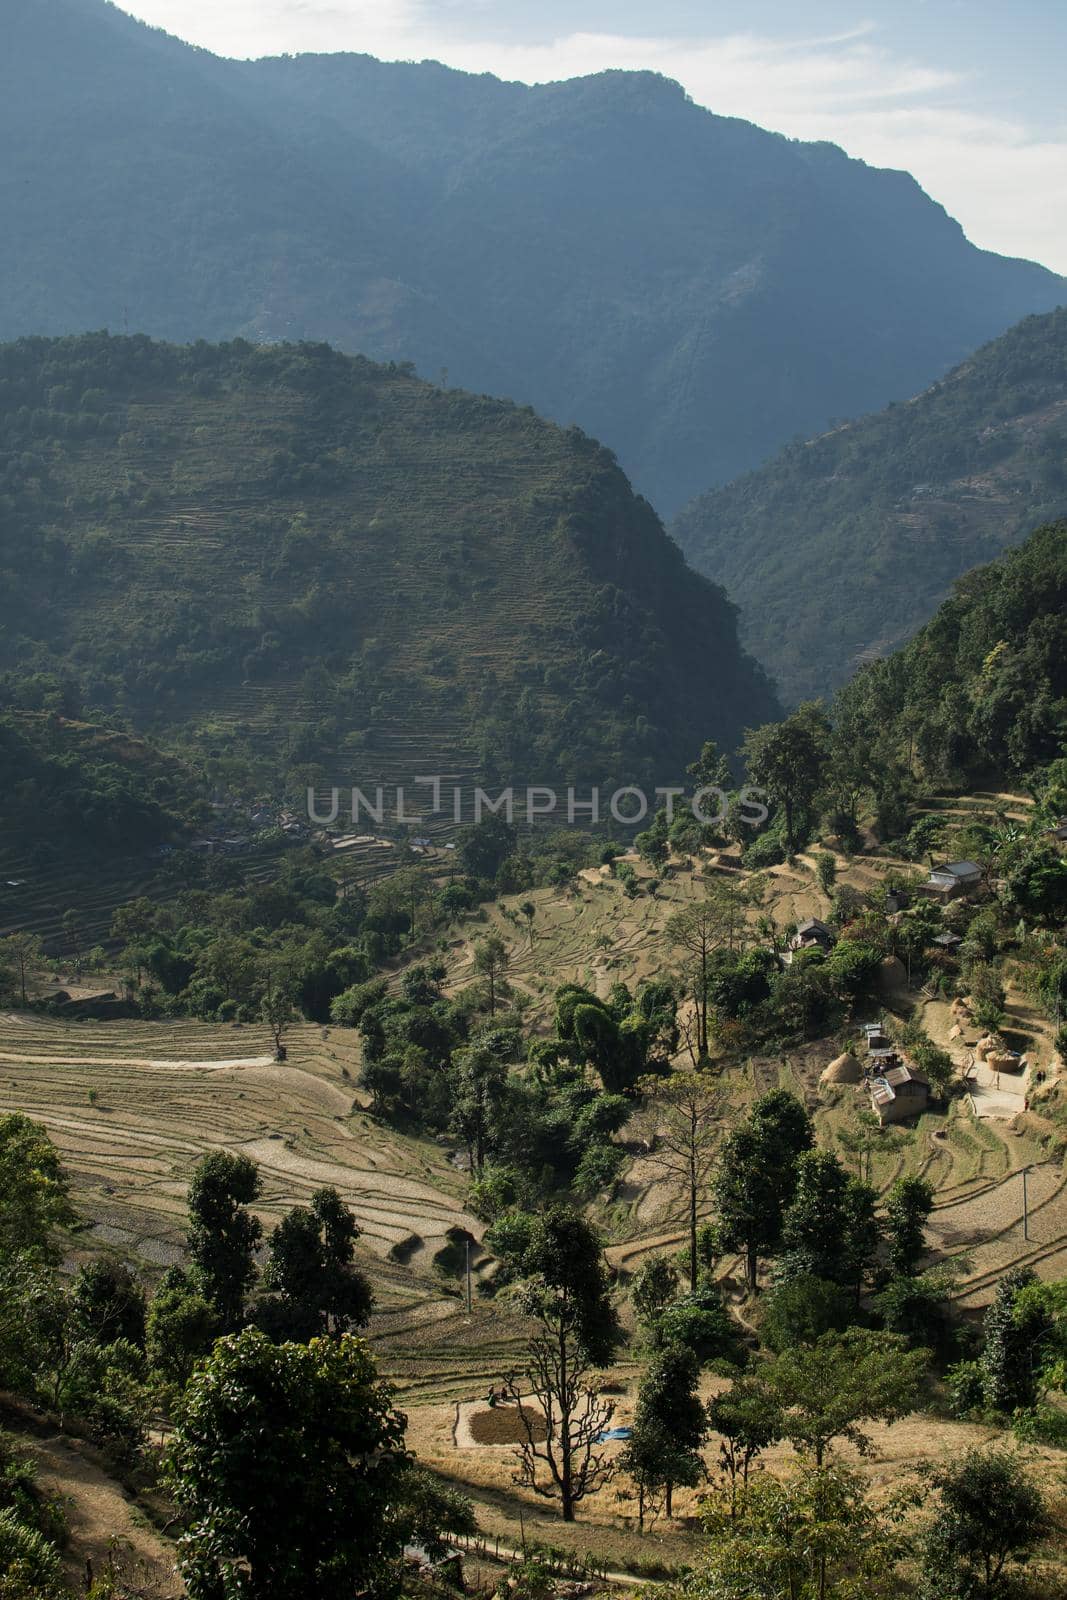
(132, 1106)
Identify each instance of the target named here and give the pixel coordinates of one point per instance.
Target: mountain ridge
(843, 545)
(688, 287)
(303, 559)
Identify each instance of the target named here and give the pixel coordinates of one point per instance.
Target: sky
(965, 94)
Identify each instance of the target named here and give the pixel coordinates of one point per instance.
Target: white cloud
(1006, 185)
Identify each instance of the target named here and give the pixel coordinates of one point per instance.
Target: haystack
(988, 1042)
(842, 1069)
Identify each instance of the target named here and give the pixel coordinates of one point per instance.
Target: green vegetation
(294, 562)
(843, 545)
(980, 691)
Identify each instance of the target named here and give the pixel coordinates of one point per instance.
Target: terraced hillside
(842, 546)
(289, 556)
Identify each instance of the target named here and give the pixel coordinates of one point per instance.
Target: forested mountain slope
(687, 287)
(982, 689)
(842, 546)
(302, 554)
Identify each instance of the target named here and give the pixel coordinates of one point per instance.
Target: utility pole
(1026, 1214)
(469, 1275)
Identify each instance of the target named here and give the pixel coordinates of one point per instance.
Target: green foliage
(1015, 1332)
(989, 1516)
(826, 1389)
(756, 1175)
(654, 1286)
(223, 1233)
(801, 1309)
(315, 626)
(700, 1324)
(669, 1426)
(287, 1460)
(787, 760)
(814, 1535)
(982, 686)
(840, 504)
(33, 1190)
(313, 1285)
(907, 1208)
(181, 1329)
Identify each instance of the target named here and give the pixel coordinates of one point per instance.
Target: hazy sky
(966, 94)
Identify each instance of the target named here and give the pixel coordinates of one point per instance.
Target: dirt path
(101, 1518)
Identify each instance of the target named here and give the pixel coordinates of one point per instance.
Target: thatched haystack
(843, 1069)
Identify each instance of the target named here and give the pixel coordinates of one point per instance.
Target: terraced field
(132, 1106)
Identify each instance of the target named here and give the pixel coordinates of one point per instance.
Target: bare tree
(680, 1125)
(559, 1380)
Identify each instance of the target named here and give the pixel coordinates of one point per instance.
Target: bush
(800, 1311)
(966, 1388)
(701, 1323)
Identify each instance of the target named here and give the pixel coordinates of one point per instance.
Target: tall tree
(25, 952)
(830, 1226)
(491, 961)
(223, 1233)
(907, 1208)
(34, 1190)
(287, 1461)
(748, 1420)
(714, 923)
(566, 1292)
(788, 759)
(756, 1176)
(313, 1284)
(680, 1125)
(669, 1427)
(478, 1085)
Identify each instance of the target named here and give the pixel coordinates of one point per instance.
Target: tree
(109, 1302)
(566, 1293)
(484, 847)
(180, 1330)
(907, 1208)
(757, 1175)
(680, 1125)
(669, 1427)
(223, 1233)
(830, 1228)
(1016, 1328)
(787, 759)
(827, 1389)
(478, 1085)
(812, 1536)
(491, 961)
(278, 1007)
(716, 922)
(287, 1461)
(749, 1420)
(33, 1190)
(25, 952)
(801, 1309)
(314, 1285)
(989, 1514)
(654, 1286)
